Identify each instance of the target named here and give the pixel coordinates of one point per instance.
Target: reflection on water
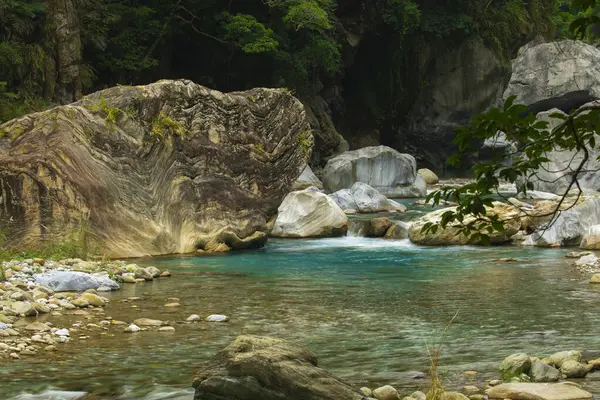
(364, 306)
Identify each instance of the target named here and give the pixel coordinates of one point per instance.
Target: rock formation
(364, 199)
(391, 173)
(170, 167)
(450, 235)
(309, 213)
(264, 368)
(563, 75)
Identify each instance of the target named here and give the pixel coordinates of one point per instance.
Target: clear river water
(366, 307)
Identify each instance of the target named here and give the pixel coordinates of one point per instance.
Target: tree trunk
(66, 28)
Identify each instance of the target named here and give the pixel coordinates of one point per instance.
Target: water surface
(366, 307)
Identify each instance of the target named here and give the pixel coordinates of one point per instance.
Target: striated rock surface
(563, 75)
(170, 167)
(255, 367)
(450, 236)
(309, 213)
(388, 171)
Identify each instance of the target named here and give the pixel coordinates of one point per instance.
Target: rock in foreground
(73, 281)
(309, 213)
(390, 172)
(255, 367)
(170, 167)
(538, 391)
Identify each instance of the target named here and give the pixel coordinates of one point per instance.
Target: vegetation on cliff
(53, 51)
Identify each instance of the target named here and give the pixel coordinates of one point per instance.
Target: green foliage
(305, 142)
(307, 14)
(75, 245)
(249, 34)
(163, 125)
(111, 113)
(576, 132)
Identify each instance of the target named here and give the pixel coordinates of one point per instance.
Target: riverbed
(366, 307)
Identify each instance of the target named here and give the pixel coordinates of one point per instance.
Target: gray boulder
(72, 281)
(388, 171)
(309, 213)
(541, 372)
(563, 75)
(255, 367)
(364, 199)
(568, 228)
(307, 179)
(556, 175)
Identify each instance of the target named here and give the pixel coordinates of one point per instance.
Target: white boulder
(309, 213)
(365, 199)
(388, 171)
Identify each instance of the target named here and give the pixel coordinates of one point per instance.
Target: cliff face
(170, 167)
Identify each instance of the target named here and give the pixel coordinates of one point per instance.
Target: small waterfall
(358, 227)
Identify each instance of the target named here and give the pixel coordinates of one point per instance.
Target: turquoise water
(364, 306)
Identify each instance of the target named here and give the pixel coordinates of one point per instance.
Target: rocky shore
(33, 291)
(256, 367)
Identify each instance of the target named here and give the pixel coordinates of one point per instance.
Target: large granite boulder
(73, 281)
(451, 236)
(307, 179)
(538, 391)
(563, 75)
(264, 368)
(364, 199)
(568, 227)
(309, 213)
(170, 167)
(388, 171)
(556, 175)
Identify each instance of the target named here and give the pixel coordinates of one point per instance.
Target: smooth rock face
(541, 372)
(73, 281)
(537, 391)
(555, 176)
(386, 392)
(591, 240)
(365, 199)
(557, 359)
(569, 227)
(463, 80)
(429, 176)
(255, 367)
(388, 171)
(574, 369)
(450, 235)
(309, 213)
(307, 179)
(563, 75)
(181, 167)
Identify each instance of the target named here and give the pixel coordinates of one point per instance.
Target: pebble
(166, 329)
(494, 382)
(217, 318)
(148, 322)
(14, 355)
(50, 348)
(62, 332)
(132, 328)
(172, 305)
(195, 317)
(38, 327)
